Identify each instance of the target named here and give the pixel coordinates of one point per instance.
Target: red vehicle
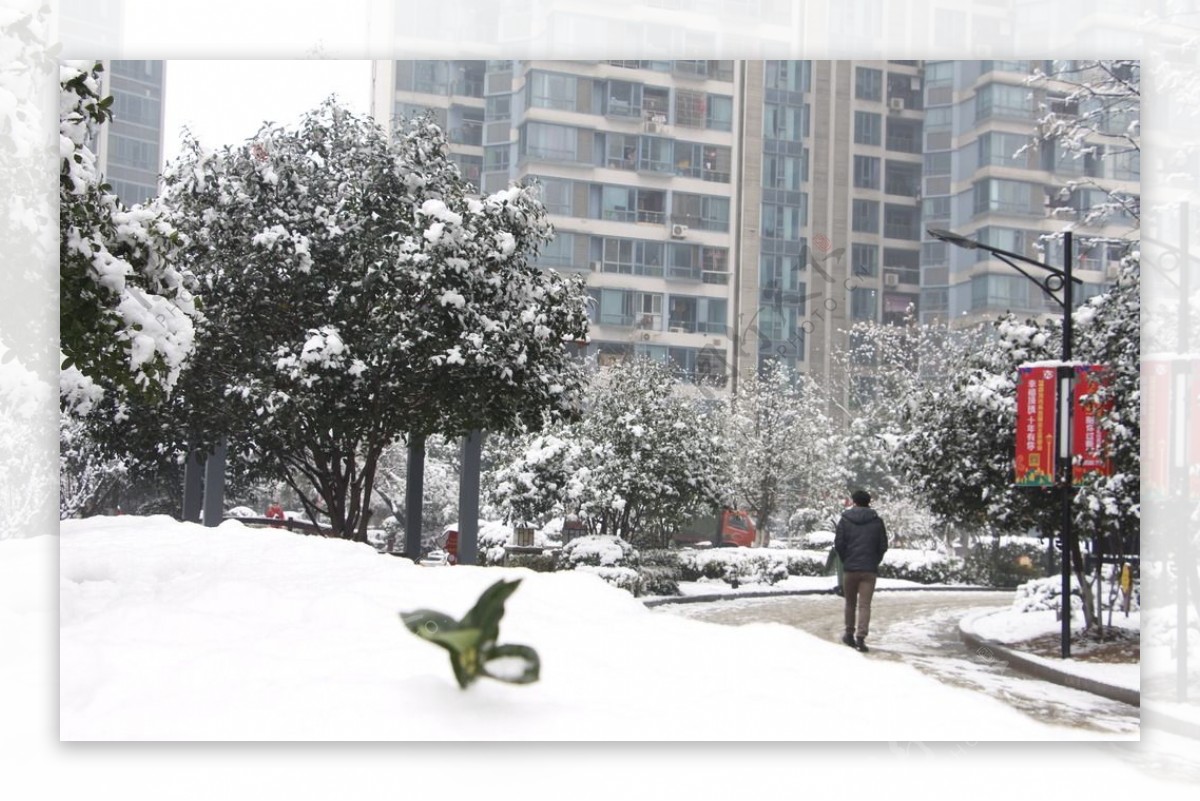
(732, 528)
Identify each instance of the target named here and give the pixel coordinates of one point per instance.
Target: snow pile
(174, 631)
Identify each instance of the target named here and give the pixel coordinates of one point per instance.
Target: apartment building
(635, 163)
(129, 149)
(727, 213)
(983, 181)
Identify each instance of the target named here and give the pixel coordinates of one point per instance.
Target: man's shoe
(848, 638)
(860, 645)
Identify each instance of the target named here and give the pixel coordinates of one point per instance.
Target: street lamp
(1052, 282)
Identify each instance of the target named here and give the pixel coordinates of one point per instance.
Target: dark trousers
(858, 587)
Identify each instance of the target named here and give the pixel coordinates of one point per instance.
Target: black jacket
(860, 540)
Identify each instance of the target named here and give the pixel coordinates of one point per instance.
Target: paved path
(921, 630)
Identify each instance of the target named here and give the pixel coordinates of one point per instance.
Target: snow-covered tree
(88, 480)
(640, 463)
(783, 448)
(440, 482)
(957, 452)
(1092, 117)
(356, 293)
(126, 306)
(1109, 333)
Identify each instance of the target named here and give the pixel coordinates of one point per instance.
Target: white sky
(226, 102)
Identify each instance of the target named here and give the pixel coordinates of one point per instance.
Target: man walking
(860, 541)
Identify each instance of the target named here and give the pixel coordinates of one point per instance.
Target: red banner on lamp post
(1036, 392)
(1088, 453)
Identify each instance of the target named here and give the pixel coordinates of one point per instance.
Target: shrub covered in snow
(492, 538)
(1046, 593)
(923, 567)
(660, 572)
(611, 558)
(734, 565)
(597, 551)
(626, 578)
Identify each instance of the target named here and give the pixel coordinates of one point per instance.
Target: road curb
(733, 596)
(991, 649)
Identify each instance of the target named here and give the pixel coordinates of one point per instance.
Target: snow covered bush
(660, 572)
(734, 565)
(1045, 594)
(923, 567)
(491, 540)
(611, 558)
(598, 551)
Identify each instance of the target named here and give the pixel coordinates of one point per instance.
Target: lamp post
(1052, 282)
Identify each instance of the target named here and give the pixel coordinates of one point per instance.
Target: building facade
(983, 181)
(730, 213)
(129, 149)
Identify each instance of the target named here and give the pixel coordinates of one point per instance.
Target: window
(656, 154)
(792, 76)
(939, 73)
(999, 292)
(1003, 100)
(904, 136)
(623, 99)
(551, 142)
(866, 172)
(498, 107)
(863, 303)
(868, 128)
(720, 113)
(558, 252)
(868, 83)
(690, 108)
(550, 90)
(939, 118)
(781, 221)
(864, 259)
(935, 253)
(936, 208)
(700, 211)
(902, 178)
(620, 151)
(628, 256)
(905, 263)
(470, 167)
(707, 162)
(778, 274)
(901, 222)
(785, 172)
(134, 109)
(998, 148)
(788, 123)
(937, 163)
(1014, 240)
(556, 195)
(625, 308)
(865, 216)
(698, 315)
(995, 194)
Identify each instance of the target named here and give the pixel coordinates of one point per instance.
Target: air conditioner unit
(678, 231)
(896, 104)
(891, 279)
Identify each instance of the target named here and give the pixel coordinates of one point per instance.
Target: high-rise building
(982, 180)
(129, 149)
(635, 160)
(727, 213)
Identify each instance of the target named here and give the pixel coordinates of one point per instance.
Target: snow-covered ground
(171, 630)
